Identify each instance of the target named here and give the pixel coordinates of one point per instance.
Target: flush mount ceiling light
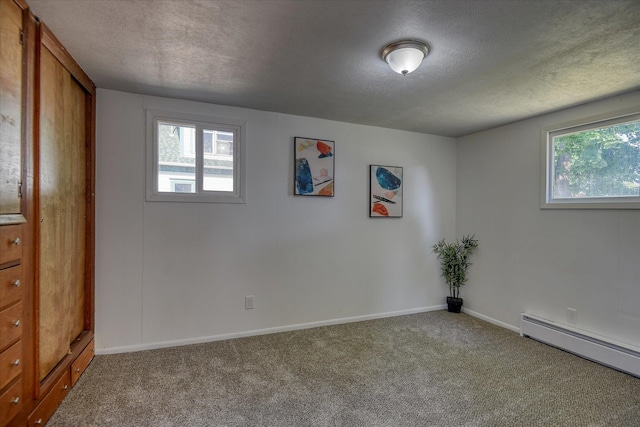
(404, 56)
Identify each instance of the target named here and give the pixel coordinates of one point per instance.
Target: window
(194, 159)
(183, 186)
(217, 143)
(594, 165)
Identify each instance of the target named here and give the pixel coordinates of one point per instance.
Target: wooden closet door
(63, 211)
(11, 54)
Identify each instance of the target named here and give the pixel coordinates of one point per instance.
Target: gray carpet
(429, 369)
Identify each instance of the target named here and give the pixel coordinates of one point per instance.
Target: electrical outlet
(248, 302)
(572, 315)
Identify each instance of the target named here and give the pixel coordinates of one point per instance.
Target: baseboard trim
(491, 320)
(255, 332)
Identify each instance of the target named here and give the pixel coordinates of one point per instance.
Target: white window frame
(238, 127)
(547, 200)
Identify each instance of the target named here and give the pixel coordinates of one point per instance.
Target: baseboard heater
(598, 349)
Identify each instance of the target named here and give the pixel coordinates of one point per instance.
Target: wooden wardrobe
(47, 146)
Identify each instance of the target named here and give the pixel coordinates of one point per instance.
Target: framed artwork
(314, 167)
(385, 186)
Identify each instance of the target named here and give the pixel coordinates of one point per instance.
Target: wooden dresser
(47, 146)
(12, 321)
(14, 336)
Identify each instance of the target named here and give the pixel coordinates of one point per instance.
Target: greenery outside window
(594, 165)
(194, 159)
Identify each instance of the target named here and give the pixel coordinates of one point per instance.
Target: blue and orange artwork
(324, 149)
(304, 181)
(314, 165)
(386, 191)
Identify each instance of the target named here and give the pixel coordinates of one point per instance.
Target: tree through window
(595, 163)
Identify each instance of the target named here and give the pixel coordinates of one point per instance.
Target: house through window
(194, 160)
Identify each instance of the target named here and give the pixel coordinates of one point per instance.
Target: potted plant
(454, 262)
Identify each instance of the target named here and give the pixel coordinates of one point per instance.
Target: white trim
(546, 200)
(265, 331)
(608, 352)
(579, 331)
(491, 320)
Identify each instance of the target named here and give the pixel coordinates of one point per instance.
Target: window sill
(592, 204)
(195, 198)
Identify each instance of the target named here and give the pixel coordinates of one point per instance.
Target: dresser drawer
(10, 402)
(50, 402)
(10, 364)
(10, 243)
(10, 324)
(81, 363)
(11, 287)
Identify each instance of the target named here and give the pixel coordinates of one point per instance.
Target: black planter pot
(454, 304)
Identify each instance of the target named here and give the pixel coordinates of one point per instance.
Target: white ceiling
(491, 62)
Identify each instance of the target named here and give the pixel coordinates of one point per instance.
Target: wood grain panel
(11, 53)
(51, 42)
(11, 324)
(50, 402)
(11, 285)
(10, 364)
(82, 362)
(62, 185)
(10, 401)
(11, 240)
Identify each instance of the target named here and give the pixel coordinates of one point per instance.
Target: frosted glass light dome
(405, 56)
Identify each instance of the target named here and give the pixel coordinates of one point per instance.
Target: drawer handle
(77, 369)
(16, 323)
(16, 362)
(16, 283)
(65, 387)
(15, 400)
(39, 421)
(16, 241)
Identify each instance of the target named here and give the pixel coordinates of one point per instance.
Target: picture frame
(314, 167)
(385, 191)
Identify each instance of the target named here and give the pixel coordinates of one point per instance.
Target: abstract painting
(314, 167)
(385, 183)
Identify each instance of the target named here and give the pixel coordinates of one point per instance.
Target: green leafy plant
(454, 261)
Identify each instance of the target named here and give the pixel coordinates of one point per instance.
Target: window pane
(218, 162)
(180, 186)
(176, 158)
(224, 143)
(599, 162)
(207, 142)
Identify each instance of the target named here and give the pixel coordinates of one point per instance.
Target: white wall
(170, 273)
(543, 261)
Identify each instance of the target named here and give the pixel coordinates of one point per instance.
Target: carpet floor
(427, 369)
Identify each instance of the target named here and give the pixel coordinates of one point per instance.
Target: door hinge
(21, 37)
(19, 189)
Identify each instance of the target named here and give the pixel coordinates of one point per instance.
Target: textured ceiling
(491, 62)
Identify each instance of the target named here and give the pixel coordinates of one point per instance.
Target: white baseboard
(491, 320)
(614, 354)
(255, 332)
